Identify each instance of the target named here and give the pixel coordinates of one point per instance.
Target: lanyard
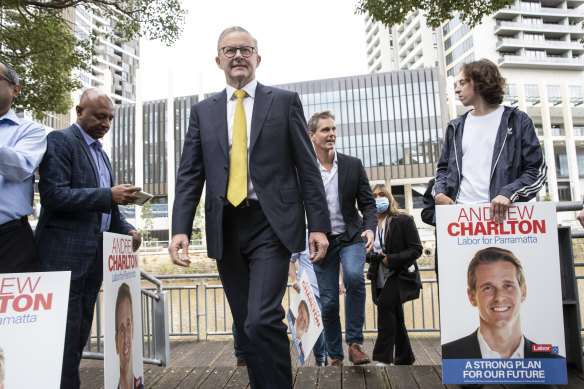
(381, 234)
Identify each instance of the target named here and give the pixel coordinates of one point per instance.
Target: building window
(456, 68)
(533, 37)
(575, 91)
(562, 165)
(455, 21)
(531, 90)
(535, 53)
(456, 36)
(459, 51)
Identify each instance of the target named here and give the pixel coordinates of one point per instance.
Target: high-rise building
(411, 45)
(114, 68)
(536, 45)
(114, 65)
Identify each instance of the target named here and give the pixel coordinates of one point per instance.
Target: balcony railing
(538, 10)
(541, 62)
(539, 27)
(541, 44)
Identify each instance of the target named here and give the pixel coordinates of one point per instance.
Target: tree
(391, 12)
(148, 218)
(199, 222)
(38, 40)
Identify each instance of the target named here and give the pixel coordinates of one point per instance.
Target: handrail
(156, 343)
(564, 206)
(152, 279)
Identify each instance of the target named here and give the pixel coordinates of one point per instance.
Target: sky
(298, 40)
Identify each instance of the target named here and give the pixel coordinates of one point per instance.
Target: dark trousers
(254, 273)
(392, 333)
(82, 296)
(17, 252)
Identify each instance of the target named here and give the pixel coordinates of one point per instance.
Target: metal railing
(155, 335)
(198, 306)
(161, 246)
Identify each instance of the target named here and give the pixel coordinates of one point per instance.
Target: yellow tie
(237, 186)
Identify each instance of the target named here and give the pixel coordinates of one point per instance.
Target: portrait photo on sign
(123, 359)
(304, 319)
(499, 286)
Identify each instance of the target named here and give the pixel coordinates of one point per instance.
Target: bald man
(80, 202)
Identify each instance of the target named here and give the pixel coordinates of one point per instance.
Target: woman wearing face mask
(397, 244)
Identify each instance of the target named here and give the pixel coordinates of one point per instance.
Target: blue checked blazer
(67, 234)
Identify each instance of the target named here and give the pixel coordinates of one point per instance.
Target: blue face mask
(382, 204)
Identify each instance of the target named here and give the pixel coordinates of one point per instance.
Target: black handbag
(410, 284)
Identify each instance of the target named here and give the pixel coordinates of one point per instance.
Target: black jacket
(518, 169)
(403, 248)
(354, 187)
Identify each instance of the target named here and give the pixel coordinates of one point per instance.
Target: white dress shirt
(487, 353)
(378, 247)
(331, 187)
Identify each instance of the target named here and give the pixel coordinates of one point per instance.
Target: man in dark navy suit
(79, 202)
(249, 146)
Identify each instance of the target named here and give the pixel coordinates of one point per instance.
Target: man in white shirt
(496, 287)
(504, 137)
(345, 182)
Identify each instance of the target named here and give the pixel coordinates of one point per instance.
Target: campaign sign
(33, 316)
(500, 295)
(123, 313)
(304, 319)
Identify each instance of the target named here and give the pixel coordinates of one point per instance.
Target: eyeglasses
(246, 51)
(12, 82)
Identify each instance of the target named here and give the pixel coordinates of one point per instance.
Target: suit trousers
(82, 296)
(391, 329)
(17, 252)
(254, 273)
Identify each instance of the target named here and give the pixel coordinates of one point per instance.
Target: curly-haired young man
(490, 154)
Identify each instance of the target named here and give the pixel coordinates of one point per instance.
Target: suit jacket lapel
(219, 114)
(342, 172)
(389, 227)
(109, 166)
(261, 107)
(88, 153)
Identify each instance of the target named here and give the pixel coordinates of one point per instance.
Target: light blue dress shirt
(22, 146)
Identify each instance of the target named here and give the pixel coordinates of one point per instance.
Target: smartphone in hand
(144, 197)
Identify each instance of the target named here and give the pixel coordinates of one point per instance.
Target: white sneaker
(382, 364)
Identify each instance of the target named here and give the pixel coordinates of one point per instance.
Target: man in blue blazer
(79, 203)
(253, 234)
